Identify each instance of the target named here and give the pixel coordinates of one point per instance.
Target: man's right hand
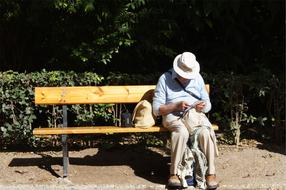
(182, 106)
(178, 106)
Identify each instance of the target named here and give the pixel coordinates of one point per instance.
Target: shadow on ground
(146, 163)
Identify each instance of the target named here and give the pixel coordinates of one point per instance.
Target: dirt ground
(249, 165)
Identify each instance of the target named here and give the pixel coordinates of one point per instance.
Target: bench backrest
(94, 94)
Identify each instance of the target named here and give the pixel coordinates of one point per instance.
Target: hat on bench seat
(142, 115)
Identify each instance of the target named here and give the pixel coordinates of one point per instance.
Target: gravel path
(136, 168)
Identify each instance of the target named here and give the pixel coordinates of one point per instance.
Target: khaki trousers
(179, 138)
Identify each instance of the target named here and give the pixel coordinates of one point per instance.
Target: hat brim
(186, 75)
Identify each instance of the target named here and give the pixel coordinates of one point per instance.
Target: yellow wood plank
(208, 88)
(94, 130)
(94, 94)
(98, 130)
(215, 127)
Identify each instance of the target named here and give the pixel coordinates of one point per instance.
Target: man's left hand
(200, 106)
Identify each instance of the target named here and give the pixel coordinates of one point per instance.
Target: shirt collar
(174, 74)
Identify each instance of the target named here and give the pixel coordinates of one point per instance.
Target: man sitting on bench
(182, 88)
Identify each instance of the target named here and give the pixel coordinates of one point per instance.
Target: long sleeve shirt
(168, 90)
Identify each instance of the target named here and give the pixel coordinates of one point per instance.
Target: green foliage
(244, 102)
(81, 35)
(232, 36)
(132, 42)
(17, 111)
(19, 115)
(106, 24)
(64, 34)
(240, 103)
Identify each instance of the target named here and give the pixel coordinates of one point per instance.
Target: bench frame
(91, 95)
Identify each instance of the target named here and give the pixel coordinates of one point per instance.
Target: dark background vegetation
(240, 45)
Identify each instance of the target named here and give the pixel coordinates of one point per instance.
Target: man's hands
(172, 107)
(180, 106)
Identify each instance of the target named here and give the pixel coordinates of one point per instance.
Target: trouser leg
(206, 145)
(179, 138)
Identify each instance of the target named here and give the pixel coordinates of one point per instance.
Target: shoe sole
(174, 187)
(212, 187)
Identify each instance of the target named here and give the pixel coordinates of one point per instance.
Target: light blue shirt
(168, 91)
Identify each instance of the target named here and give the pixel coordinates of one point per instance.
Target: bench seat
(98, 130)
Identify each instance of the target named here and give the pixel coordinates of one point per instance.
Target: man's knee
(204, 133)
(181, 132)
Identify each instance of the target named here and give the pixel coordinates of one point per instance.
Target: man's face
(183, 80)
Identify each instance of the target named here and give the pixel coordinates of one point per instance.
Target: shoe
(174, 182)
(211, 182)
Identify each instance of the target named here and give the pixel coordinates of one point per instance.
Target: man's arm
(159, 98)
(206, 107)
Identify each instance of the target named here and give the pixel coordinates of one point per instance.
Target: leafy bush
(244, 103)
(19, 115)
(240, 103)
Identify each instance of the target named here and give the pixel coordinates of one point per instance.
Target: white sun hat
(186, 65)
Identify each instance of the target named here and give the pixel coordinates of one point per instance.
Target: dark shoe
(174, 182)
(211, 182)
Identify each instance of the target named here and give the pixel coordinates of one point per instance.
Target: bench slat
(92, 94)
(98, 130)
(94, 130)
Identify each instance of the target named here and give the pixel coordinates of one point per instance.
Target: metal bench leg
(64, 144)
(65, 155)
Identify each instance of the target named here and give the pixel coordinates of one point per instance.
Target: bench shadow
(45, 162)
(146, 163)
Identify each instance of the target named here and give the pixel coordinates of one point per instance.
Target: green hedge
(19, 115)
(248, 106)
(239, 102)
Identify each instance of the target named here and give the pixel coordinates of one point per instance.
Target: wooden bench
(92, 95)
